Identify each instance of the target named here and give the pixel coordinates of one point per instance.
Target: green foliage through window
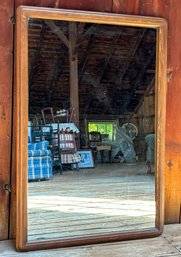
(102, 127)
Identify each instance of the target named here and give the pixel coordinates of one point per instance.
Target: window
(106, 128)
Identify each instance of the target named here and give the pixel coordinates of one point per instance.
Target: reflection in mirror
(91, 129)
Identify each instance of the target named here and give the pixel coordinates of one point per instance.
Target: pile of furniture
(39, 161)
(51, 146)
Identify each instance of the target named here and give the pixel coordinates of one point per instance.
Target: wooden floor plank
(167, 245)
(102, 200)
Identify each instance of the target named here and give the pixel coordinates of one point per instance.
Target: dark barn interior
(113, 70)
(91, 87)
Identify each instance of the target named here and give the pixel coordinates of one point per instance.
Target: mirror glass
(91, 129)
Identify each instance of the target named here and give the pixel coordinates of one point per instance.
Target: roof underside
(116, 66)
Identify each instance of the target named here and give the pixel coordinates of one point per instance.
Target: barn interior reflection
(91, 130)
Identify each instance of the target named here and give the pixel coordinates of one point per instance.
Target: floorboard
(167, 245)
(107, 198)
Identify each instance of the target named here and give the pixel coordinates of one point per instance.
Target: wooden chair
(50, 113)
(61, 115)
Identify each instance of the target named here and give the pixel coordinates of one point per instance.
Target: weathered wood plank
(91, 5)
(126, 7)
(42, 3)
(134, 7)
(171, 11)
(73, 66)
(6, 64)
(78, 205)
(167, 245)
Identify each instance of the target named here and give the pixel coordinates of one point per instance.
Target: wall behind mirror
(92, 130)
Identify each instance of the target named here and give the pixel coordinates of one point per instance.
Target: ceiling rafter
(87, 34)
(85, 57)
(56, 30)
(99, 66)
(37, 54)
(131, 55)
(57, 71)
(96, 83)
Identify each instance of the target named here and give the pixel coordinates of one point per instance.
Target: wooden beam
(6, 91)
(73, 62)
(102, 116)
(87, 34)
(139, 92)
(71, 44)
(96, 83)
(80, 29)
(34, 64)
(145, 66)
(57, 71)
(57, 31)
(131, 54)
(85, 57)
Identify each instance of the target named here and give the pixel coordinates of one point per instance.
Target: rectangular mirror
(90, 116)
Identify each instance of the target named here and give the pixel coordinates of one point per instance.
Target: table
(101, 149)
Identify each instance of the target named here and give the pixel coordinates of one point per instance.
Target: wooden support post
(73, 61)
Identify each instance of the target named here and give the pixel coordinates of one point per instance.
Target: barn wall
(6, 65)
(91, 5)
(169, 9)
(144, 119)
(146, 116)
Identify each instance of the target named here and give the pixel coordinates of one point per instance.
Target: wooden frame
(21, 119)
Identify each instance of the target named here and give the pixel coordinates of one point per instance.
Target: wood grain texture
(167, 245)
(6, 64)
(22, 120)
(170, 10)
(134, 7)
(73, 64)
(94, 202)
(91, 5)
(126, 7)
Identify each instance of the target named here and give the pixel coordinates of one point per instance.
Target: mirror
(88, 88)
